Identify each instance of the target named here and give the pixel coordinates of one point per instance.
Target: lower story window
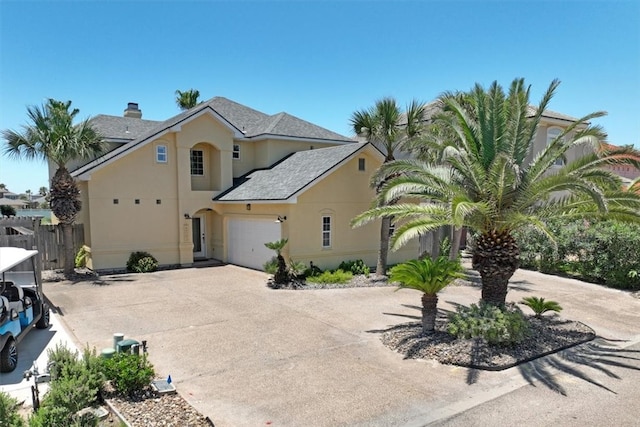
(326, 231)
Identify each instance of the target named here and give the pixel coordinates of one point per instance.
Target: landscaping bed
(546, 335)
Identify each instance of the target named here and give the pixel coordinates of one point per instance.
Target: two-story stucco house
(220, 180)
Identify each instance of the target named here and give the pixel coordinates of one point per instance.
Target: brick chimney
(133, 111)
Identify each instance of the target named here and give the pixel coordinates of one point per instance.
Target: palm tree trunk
(496, 257)
(456, 236)
(429, 313)
(69, 256)
(381, 266)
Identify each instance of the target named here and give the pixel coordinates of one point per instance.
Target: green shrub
(142, 262)
(312, 271)
(497, 325)
(271, 266)
(6, 210)
(337, 276)
(129, 372)
(75, 384)
(356, 267)
(597, 251)
(540, 306)
(81, 257)
(9, 415)
(297, 268)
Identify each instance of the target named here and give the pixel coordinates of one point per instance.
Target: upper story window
(161, 153)
(361, 164)
(326, 231)
(197, 162)
(236, 151)
(552, 134)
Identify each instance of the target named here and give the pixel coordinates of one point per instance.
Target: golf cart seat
(4, 308)
(15, 295)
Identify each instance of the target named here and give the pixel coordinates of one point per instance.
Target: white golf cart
(22, 304)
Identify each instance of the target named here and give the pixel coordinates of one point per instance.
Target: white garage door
(246, 241)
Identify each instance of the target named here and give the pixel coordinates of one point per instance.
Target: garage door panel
(246, 241)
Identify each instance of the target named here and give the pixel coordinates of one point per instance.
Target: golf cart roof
(10, 257)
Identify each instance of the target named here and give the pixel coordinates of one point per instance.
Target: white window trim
(236, 153)
(326, 232)
(159, 154)
(191, 162)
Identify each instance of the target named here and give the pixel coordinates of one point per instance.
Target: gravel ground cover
(547, 335)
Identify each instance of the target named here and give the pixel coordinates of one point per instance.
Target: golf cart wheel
(43, 322)
(9, 356)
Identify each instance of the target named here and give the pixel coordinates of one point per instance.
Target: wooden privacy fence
(27, 233)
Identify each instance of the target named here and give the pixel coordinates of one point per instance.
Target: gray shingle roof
(254, 123)
(531, 111)
(248, 122)
(288, 177)
(118, 127)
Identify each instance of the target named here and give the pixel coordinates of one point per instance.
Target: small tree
(429, 277)
(7, 210)
(282, 274)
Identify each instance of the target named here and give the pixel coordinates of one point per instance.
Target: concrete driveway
(246, 355)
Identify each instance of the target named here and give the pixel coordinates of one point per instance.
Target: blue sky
(318, 60)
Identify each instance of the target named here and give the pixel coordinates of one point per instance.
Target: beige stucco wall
(333, 197)
(157, 223)
(540, 141)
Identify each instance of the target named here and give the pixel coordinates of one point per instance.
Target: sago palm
(429, 277)
(389, 129)
(282, 275)
(51, 135)
(492, 182)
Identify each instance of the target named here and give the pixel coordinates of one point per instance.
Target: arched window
(552, 134)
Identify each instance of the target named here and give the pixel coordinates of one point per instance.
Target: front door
(197, 228)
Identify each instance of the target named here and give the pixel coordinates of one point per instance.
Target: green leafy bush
(337, 276)
(540, 306)
(497, 325)
(312, 271)
(75, 384)
(6, 210)
(81, 257)
(597, 251)
(297, 268)
(271, 266)
(129, 372)
(356, 267)
(9, 415)
(142, 262)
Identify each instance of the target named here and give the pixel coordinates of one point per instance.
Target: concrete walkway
(244, 354)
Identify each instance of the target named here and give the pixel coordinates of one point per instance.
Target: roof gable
(287, 178)
(244, 122)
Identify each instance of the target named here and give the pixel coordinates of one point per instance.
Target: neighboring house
(627, 173)
(220, 180)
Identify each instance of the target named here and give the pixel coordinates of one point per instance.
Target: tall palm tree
(42, 191)
(389, 129)
(493, 183)
(187, 99)
(428, 276)
(51, 135)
